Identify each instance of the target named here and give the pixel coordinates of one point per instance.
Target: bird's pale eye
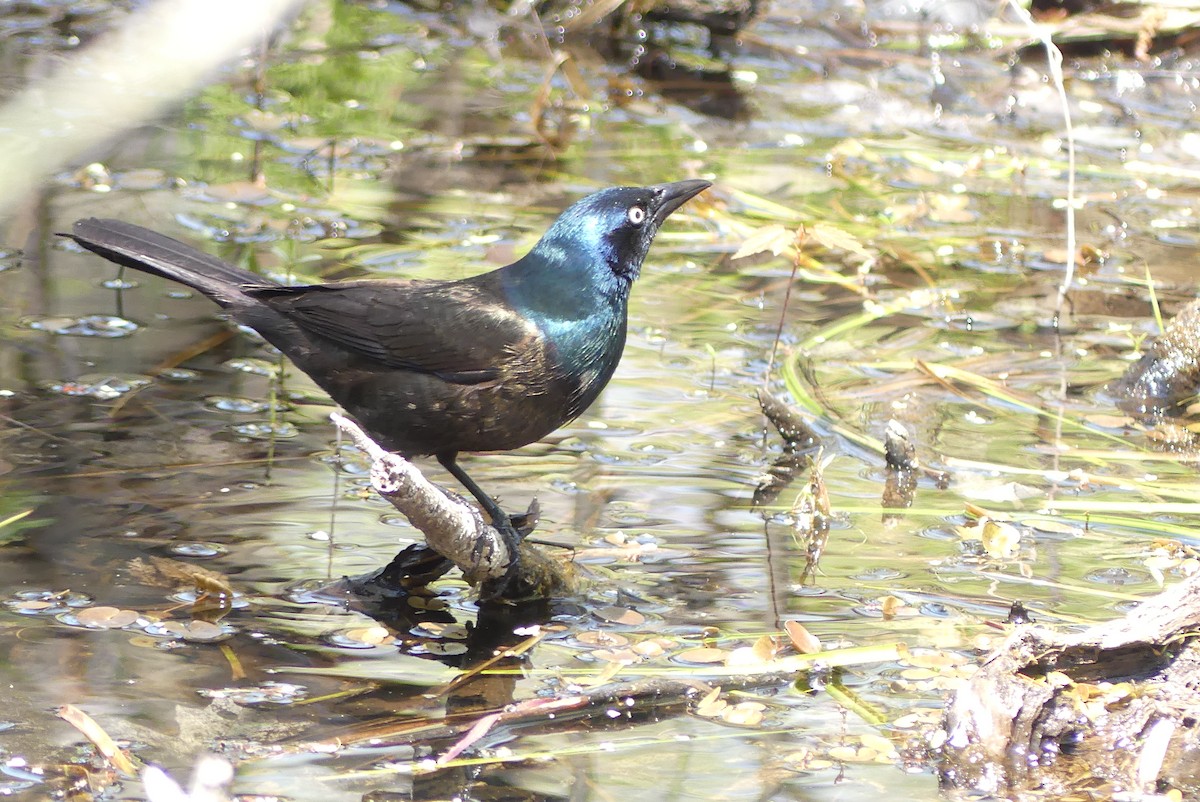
(636, 215)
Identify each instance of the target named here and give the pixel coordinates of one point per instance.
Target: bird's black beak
(670, 197)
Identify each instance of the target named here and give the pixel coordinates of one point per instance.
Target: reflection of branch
(452, 526)
(900, 454)
(800, 442)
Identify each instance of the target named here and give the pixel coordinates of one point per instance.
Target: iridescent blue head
(613, 229)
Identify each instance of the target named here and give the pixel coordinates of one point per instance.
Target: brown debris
(1168, 374)
(168, 573)
(1114, 707)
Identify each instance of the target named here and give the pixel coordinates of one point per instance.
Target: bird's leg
(500, 519)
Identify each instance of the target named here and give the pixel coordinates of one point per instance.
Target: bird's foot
(499, 587)
(513, 529)
(527, 521)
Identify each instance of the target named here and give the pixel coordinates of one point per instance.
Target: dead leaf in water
(703, 655)
(620, 615)
(102, 740)
(744, 714)
(202, 631)
(804, 641)
(163, 572)
(602, 640)
(106, 617)
(766, 648)
(371, 636)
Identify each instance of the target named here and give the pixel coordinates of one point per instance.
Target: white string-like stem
(1054, 59)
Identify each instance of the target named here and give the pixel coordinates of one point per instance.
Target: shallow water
(140, 426)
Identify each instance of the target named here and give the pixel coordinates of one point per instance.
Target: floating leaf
(703, 655)
(804, 641)
(203, 632)
(620, 615)
(1000, 539)
(32, 605)
(400, 668)
(981, 488)
(106, 617)
(372, 636)
(622, 656)
(744, 714)
(765, 648)
(1110, 421)
(748, 657)
(602, 640)
(102, 740)
(934, 658)
(774, 238)
(918, 674)
(711, 705)
(655, 647)
(835, 238)
(438, 629)
(1053, 527)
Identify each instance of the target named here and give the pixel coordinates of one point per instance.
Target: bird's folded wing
(449, 330)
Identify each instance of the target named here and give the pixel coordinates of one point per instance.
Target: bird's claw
(496, 588)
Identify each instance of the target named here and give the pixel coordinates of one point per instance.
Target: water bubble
(275, 693)
(192, 596)
(1116, 577)
(198, 549)
(259, 367)
(102, 387)
(108, 326)
(196, 631)
(360, 638)
(226, 403)
(46, 602)
(266, 431)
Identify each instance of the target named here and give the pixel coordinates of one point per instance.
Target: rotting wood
(1114, 709)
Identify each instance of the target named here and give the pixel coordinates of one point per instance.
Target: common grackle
(488, 363)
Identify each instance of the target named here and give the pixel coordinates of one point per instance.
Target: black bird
(488, 363)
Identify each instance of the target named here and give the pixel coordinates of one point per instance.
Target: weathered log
(1114, 709)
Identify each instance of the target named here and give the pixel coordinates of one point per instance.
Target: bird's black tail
(142, 249)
